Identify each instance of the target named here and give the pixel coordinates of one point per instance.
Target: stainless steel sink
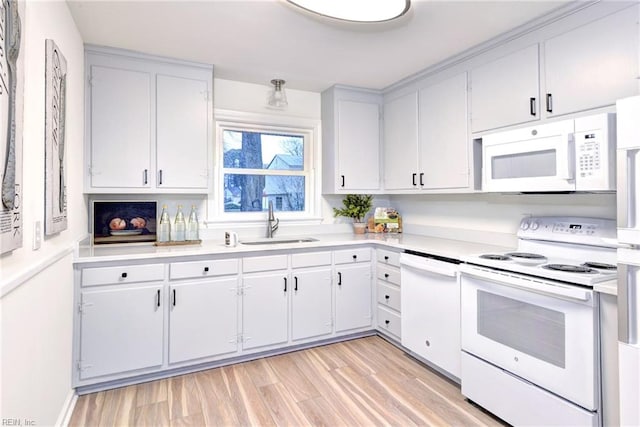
(278, 241)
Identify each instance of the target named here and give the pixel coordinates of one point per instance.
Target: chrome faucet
(271, 227)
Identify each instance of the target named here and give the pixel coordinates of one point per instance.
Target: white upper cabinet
(401, 143)
(444, 137)
(120, 132)
(351, 140)
(506, 91)
(183, 133)
(148, 124)
(593, 65)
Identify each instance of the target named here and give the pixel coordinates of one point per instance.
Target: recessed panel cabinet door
(265, 310)
(444, 139)
(311, 304)
(593, 65)
(401, 143)
(121, 109)
(353, 297)
(183, 110)
(505, 91)
(203, 319)
(358, 145)
(121, 330)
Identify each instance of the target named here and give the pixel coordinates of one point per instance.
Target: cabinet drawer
(389, 296)
(388, 321)
(187, 270)
(388, 274)
(388, 257)
(264, 263)
(349, 256)
(312, 259)
(122, 274)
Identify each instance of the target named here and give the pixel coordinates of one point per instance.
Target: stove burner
(600, 265)
(495, 257)
(569, 268)
(526, 255)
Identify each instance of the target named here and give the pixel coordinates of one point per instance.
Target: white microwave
(569, 155)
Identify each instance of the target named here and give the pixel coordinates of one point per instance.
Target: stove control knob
(535, 225)
(524, 225)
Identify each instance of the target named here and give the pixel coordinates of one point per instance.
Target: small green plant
(356, 206)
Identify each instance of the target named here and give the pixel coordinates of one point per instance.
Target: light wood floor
(361, 382)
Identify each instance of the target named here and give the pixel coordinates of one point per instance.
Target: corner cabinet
(351, 140)
(148, 124)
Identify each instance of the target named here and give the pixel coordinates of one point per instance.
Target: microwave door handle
(566, 165)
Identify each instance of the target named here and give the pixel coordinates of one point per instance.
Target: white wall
(36, 312)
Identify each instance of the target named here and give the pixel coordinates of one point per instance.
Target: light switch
(37, 235)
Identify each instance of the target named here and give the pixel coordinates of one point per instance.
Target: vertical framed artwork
(12, 14)
(54, 139)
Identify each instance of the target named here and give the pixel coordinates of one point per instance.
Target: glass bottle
(192, 225)
(164, 230)
(179, 226)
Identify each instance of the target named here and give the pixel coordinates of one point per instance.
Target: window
(262, 164)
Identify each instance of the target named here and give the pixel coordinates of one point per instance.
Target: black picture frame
(123, 221)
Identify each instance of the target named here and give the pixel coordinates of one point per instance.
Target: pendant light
(277, 98)
(356, 10)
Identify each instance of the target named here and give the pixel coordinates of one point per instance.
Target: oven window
(524, 165)
(531, 329)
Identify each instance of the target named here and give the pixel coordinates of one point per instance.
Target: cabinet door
(353, 297)
(121, 330)
(183, 110)
(311, 304)
(505, 92)
(593, 65)
(203, 319)
(120, 117)
(265, 310)
(444, 139)
(358, 145)
(401, 143)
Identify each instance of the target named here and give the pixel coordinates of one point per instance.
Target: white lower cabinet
(203, 319)
(121, 330)
(311, 314)
(353, 296)
(265, 310)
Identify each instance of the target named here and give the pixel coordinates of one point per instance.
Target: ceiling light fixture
(356, 10)
(277, 97)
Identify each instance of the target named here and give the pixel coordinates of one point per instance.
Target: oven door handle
(531, 284)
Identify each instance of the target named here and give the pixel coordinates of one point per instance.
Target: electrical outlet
(37, 235)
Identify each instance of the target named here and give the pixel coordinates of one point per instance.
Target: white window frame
(242, 121)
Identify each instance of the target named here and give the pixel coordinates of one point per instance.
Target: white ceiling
(258, 40)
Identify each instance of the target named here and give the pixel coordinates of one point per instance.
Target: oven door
(542, 331)
(540, 158)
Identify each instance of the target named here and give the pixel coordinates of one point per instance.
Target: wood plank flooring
(362, 382)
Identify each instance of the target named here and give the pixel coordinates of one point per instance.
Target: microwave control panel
(594, 152)
(588, 153)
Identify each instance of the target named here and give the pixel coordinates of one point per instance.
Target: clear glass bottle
(164, 229)
(192, 225)
(179, 226)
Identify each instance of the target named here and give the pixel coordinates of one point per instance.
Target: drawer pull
(386, 322)
(386, 297)
(206, 269)
(386, 275)
(428, 344)
(124, 275)
(386, 257)
(355, 257)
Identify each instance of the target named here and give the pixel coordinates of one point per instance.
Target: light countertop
(431, 245)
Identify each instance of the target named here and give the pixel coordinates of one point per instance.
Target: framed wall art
(12, 14)
(55, 114)
(123, 221)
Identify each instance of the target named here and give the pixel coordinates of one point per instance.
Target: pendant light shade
(277, 97)
(356, 10)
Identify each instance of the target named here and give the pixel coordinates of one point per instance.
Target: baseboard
(67, 409)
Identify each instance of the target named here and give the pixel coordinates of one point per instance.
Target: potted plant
(356, 206)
